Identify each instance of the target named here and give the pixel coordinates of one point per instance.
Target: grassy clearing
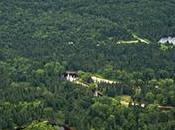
(136, 40)
(143, 40)
(125, 100)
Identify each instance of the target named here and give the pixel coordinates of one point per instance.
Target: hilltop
(124, 78)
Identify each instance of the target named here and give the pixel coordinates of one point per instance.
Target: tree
(4, 75)
(53, 69)
(150, 97)
(40, 126)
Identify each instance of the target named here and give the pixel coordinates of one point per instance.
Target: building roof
(71, 72)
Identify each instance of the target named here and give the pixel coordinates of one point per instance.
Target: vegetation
(39, 126)
(41, 39)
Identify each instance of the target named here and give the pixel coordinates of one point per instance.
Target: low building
(166, 108)
(97, 93)
(71, 75)
(167, 40)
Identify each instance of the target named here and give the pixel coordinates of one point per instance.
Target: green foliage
(41, 39)
(39, 126)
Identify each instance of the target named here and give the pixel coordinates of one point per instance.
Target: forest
(116, 40)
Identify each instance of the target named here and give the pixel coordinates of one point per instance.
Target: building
(167, 40)
(97, 93)
(166, 108)
(71, 75)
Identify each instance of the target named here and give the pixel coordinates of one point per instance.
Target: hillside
(114, 42)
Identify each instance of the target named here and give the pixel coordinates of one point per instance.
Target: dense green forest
(115, 39)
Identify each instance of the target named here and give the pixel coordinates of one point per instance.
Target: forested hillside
(115, 40)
